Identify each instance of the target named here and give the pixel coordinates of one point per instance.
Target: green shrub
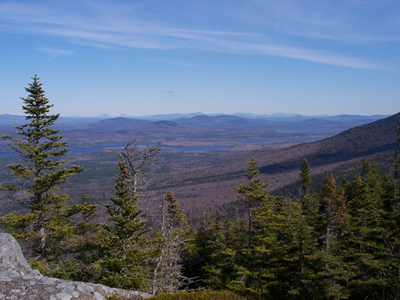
(198, 295)
(116, 297)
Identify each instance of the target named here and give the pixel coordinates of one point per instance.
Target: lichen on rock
(18, 281)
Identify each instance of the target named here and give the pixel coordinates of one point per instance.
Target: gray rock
(19, 281)
(11, 257)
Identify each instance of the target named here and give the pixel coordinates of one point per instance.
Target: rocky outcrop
(18, 281)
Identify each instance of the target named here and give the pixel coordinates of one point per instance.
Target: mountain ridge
(215, 186)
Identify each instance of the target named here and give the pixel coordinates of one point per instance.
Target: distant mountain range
(377, 132)
(196, 127)
(276, 116)
(340, 154)
(7, 118)
(207, 180)
(357, 142)
(235, 122)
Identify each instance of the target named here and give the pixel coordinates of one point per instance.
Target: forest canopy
(340, 242)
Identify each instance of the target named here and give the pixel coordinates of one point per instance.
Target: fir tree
(335, 272)
(310, 202)
(396, 153)
(218, 268)
(48, 228)
(213, 251)
(87, 246)
(305, 178)
(252, 193)
(123, 253)
(281, 263)
(195, 255)
(396, 169)
(368, 229)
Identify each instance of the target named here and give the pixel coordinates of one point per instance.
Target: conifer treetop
(305, 177)
(41, 148)
(253, 192)
(37, 105)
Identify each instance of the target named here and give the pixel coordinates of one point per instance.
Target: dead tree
(137, 160)
(169, 241)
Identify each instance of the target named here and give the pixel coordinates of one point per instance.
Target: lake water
(281, 140)
(309, 131)
(96, 149)
(7, 154)
(199, 149)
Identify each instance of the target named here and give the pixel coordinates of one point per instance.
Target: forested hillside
(214, 185)
(340, 241)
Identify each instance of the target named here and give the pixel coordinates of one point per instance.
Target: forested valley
(339, 239)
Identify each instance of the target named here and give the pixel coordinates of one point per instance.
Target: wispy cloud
(349, 21)
(55, 52)
(117, 30)
(305, 54)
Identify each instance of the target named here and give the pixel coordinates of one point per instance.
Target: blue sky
(181, 56)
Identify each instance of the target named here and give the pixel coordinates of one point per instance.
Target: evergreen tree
(305, 178)
(369, 232)
(86, 247)
(195, 255)
(396, 153)
(335, 271)
(362, 238)
(396, 170)
(213, 252)
(123, 249)
(218, 269)
(48, 228)
(252, 193)
(310, 202)
(279, 261)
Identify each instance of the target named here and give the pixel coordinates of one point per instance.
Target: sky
(152, 57)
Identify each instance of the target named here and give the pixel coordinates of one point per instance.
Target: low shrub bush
(198, 295)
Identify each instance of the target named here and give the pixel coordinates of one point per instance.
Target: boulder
(19, 281)
(11, 258)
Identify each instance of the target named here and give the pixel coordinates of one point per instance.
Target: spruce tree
(396, 153)
(371, 230)
(213, 251)
(252, 194)
(335, 272)
(305, 178)
(49, 221)
(195, 255)
(123, 248)
(218, 268)
(310, 202)
(396, 169)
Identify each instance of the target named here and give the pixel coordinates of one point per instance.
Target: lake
(95, 149)
(280, 140)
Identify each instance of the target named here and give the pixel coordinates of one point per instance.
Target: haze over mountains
(178, 129)
(275, 116)
(206, 186)
(205, 180)
(7, 118)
